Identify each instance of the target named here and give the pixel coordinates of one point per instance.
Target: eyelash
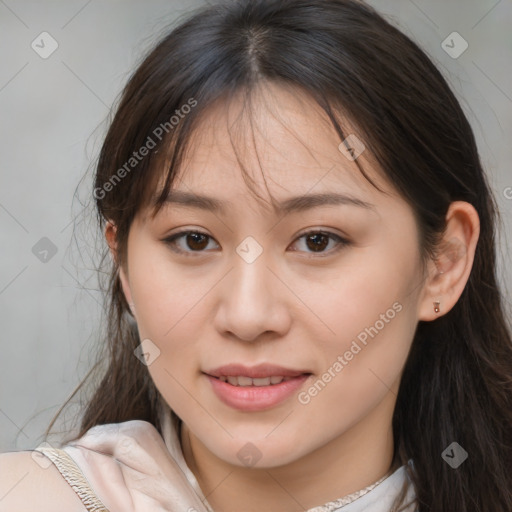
(342, 242)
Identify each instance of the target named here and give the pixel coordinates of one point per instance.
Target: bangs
(169, 164)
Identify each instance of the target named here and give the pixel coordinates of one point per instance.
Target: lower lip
(255, 398)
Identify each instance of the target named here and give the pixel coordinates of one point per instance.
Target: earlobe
(450, 271)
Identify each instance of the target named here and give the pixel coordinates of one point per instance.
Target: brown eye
(191, 241)
(318, 241)
(196, 241)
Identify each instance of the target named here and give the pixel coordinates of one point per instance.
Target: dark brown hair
(456, 384)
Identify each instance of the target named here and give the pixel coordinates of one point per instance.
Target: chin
(258, 452)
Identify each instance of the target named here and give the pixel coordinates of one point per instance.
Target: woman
(304, 312)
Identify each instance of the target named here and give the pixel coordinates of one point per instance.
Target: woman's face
(336, 315)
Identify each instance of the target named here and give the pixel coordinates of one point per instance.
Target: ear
(449, 273)
(110, 235)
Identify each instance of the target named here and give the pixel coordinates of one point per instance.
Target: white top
(128, 467)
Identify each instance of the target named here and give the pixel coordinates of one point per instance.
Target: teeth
(244, 381)
(264, 381)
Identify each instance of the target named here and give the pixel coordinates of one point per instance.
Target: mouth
(255, 388)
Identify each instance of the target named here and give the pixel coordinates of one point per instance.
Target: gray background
(53, 115)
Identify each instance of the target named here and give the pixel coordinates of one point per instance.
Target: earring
(436, 307)
(132, 306)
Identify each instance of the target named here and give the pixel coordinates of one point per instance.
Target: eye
(195, 240)
(317, 241)
(187, 242)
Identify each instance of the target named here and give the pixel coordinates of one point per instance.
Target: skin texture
(292, 306)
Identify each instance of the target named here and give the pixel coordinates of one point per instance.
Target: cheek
(170, 312)
(371, 313)
(362, 296)
(169, 298)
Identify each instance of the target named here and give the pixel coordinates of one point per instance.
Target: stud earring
(436, 307)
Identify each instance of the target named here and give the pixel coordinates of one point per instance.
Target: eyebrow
(293, 204)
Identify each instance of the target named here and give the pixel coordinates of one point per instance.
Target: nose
(252, 302)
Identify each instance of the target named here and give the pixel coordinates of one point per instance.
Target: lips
(255, 388)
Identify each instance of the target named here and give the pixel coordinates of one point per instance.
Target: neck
(348, 463)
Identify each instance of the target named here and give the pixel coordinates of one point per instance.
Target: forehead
(282, 140)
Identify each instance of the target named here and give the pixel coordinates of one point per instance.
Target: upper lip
(254, 372)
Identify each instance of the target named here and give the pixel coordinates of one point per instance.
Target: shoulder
(27, 482)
